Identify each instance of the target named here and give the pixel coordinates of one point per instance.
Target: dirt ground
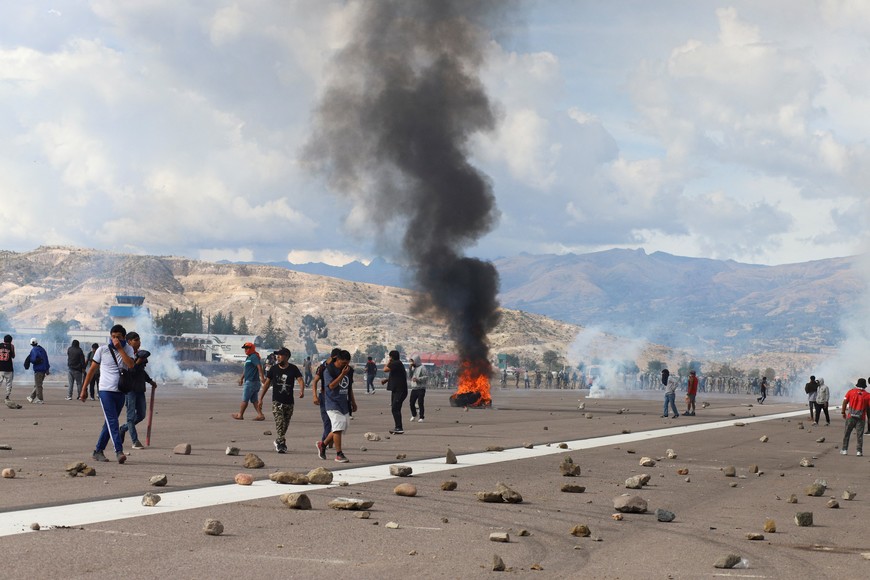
(444, 534)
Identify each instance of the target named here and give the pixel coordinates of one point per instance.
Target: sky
(728, 130)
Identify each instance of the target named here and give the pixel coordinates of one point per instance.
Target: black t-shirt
(282, 381)
(371, 368)
(7, 353)
(398, 379)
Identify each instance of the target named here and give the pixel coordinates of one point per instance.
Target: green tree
(769, 373)
(312, 328)
(243, 326)
(512, 360)
(628, 367)
(552, 359)
(273, 337)
(377, 351)
(754, 374)
(57, 331)
(176, 322)
(654, 366)
(358, 356)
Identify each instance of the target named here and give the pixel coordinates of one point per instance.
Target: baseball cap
(248, 345)
(284, 351)
(32, 341)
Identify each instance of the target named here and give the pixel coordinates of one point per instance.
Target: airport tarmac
(96, 527)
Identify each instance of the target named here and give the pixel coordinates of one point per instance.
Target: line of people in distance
(332, 392)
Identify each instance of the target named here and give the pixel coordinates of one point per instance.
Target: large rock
(803, 519)
(150, 499)
(848, 495)
(348, 503)
(503, 537)
(727, 561)
(450, 459)
(630, 504)
(213, 527)
(12, 404)
(159, 480)
(489, 497)
(664, 515)
(405, 489)
(815, 490)
(769, 526)
(233, 450)
(9, 473)
(320, 476)
(730, 471)
(253, 462)
(647, 462)
(296, 501)
(244, 479)
(634, 482)
(568, 468)
(671, 454)
(88, 471)
(497, 563)
(182, 449)
(507, 494)
(449, 485)
(401, 470)
(807, 462)
(75, 467)
(289, 477)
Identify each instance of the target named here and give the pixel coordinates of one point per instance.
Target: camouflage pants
(282, 413)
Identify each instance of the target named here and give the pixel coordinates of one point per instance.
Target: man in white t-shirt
(109, 360)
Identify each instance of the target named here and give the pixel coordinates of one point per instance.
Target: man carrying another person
(135, 399)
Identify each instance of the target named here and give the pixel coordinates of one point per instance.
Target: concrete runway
(96, 527)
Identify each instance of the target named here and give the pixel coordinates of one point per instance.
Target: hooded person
(419, 378)
(823, 395)
(855, 413)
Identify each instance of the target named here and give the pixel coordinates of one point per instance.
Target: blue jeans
(136, 409)
(370, 383)
(327, 423)
(670, 398)
(112, 402)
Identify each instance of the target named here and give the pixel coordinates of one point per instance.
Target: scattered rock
(5, 447)
(319, 476)
(497, 447)
(820, 440)
(754, 536)
(833, 504)
(631, 504)
(363, 515)
(450, 458)
(88, 471)
(489, 497)
(401, 456)
(182, 449)
(630, 451)
(9, 473)
(233, 451)
(253, 462)
(572, 488)
(523, 533)
(267, 433)
(405, 490)
(581, 531)
(647, 462)
(449, 485)
(528, 446)
(730, 471)
(289, 477)
(664, 515)
(150, 499)
(503, 537)
(508, 494)
(671, 454)
(546, 428)
(753, 469)
(392, 525)
(806, 462)
(740, 424)
(815, 490)
(728, 561)
(12, 404)
(800, 425)
(401, 470)
(803, 519)
(159, 480)
(244, 478)
(791, 499)
(733, 484)
(849, 495)
(296, 501)
(568, 468)
(536, 567)
(34, 526)
(588, 415)
(634, 482)
(75, 467)
(769, 526)
(683, 471)
(363, 449)
(348, 503)
(372, 436)
(213, 527)
(562, 446)
(497, 563)
(617, 517)
(764, 439)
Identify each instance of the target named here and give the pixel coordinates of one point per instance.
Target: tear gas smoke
(162, 365)
(608, 377)
(392, 133)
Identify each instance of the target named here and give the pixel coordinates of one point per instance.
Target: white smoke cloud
(162, 365)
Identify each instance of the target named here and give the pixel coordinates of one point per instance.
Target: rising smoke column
(392, 132)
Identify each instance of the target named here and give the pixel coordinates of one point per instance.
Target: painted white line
(80, 514)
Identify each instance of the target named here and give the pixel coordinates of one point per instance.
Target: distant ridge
(379, 271)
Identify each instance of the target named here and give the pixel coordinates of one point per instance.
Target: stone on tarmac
(34, 526)
(497, 563)
(634, 482)
(730, 471)
(617, 517)
(568, 468)
(289, 477)
(253, 462)
(581, 531)
(753, 469)
(528, 446)
(450, 458)
(213, 527)
(9, 473)
(683, 471)
(764, 439)
(508, 494)
(833, 504)
(448, 485)
(631, 504)
(489, 497)
(562, 446)
(806, 462)
(182, 449)
(803, 519)
(645, 477)
(12, 404)
(267, 433)
(815, 490)
(150, 499)
(728, 561)
(75, 467)
(363, 515)
(88, 471)
(296, 501)
(405, 490)
(401, 470)
(401, 456)
(348, 503)
(233, 450)
(671, 454)
(647, 462)
(849, 495)
(244, 479)
(5, 447)
(495, 448)
(820, 440)
(572, 488)
(523, 533)
(392, 525)
(664, 515)
(769, 526)
(503, 537)
(320, 476)
(791, 499)
(159, 480)
(370, 436)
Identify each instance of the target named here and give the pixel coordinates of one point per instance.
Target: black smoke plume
(392, 131)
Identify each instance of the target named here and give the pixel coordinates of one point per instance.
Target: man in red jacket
(691, 393)
(855, 411)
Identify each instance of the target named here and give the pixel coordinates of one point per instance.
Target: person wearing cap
(855, 412)
(250, 381)
(7, 372)
(135, 399)
(281, 377)
(39, 359)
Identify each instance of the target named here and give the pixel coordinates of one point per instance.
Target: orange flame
(474, 378)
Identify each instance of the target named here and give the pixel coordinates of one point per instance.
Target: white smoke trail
(162, 365)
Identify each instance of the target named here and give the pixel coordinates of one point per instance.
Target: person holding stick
(136, 398)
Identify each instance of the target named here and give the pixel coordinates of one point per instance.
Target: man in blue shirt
(337, 381)
(39, 359)
(250, 381)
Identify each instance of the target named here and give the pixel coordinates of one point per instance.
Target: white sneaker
(859, 454)
(421, 419)
(413, 419)
(39, 401)
(29, 399)
(69, 398)
(844, 452)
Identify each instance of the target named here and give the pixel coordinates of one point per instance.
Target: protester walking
(691, 394)
(38, 358)
(319, 396)
(418, 388)
(763, 388)
(371, 372)
(135, 399)
(670, 395)
(250, 381)
(94, 381)
(823, 395)
(281, 377)
(7, 371)
(337, 381)
(75, 364)
(810, 389)
(855, 412)
(397, 384)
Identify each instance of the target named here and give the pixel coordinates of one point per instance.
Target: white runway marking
(80, 514)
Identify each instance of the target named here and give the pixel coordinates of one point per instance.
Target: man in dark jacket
(39, 359)
(7, 353)
(136, 405)
(397, 384)
(75, 362)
